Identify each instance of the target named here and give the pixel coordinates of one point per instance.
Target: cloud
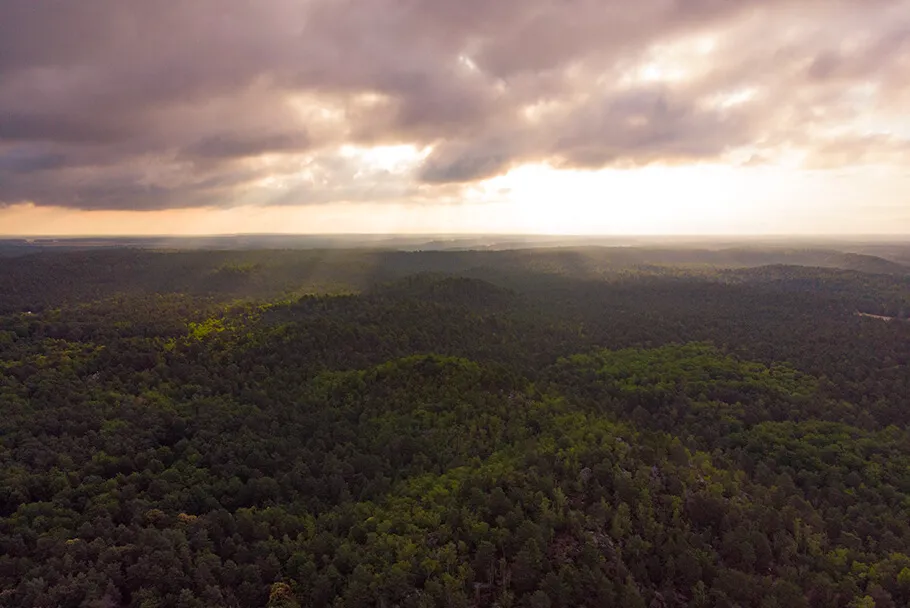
(32, 127)
(232, 145)
(859, 150)
(460, 163)
(142, 104)
(19, 161)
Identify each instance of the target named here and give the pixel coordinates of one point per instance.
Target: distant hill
(32, 282)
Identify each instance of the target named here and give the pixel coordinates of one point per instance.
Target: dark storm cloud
(140, 104)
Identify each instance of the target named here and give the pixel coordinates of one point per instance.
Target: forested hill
(34, 282)
(525, 428)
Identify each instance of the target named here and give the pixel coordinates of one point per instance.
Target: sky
(422, 116)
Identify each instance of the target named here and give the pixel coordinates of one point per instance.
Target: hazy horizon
(467, 240)
(542, 235)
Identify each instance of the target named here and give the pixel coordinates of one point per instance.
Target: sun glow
(394, 158)
(757, 198)
(652, 199)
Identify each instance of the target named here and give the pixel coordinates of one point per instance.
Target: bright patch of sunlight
(388, 158)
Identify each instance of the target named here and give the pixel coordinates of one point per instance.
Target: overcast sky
(572, 116)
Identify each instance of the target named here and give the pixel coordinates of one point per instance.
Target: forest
(543, 428)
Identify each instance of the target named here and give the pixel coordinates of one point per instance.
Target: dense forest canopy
(530, 427)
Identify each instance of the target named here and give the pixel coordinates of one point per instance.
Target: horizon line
(455, 235)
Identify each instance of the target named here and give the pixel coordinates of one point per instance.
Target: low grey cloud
(18, 161)
(32, 127)
(232, 145)
(466, 163)
(146, 104)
